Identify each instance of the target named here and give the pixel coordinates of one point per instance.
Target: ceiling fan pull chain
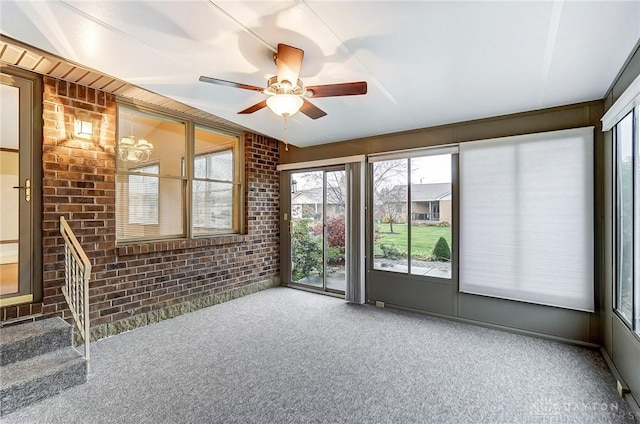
(286, 134)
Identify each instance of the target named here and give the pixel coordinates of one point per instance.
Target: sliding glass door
(317, 228)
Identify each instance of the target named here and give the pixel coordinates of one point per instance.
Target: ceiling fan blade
(311, 110)
(334, 90)
(288, 62)
(254, 108)
(231, 84)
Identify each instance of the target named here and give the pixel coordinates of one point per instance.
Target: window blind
(526, 218)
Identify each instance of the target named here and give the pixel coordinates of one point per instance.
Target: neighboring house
(430, 204)
(308, 203)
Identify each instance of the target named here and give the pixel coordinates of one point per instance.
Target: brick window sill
(170, 245)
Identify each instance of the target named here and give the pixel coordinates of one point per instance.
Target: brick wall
(138, 279)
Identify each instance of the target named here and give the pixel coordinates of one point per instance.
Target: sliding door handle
(27, 189)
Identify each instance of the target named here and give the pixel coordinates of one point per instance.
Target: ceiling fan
(287, 94)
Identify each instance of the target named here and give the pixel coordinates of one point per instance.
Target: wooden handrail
(77, 269)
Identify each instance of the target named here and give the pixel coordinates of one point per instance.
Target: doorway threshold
(313, 290)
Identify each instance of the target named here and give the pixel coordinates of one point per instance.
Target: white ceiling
(426, 62)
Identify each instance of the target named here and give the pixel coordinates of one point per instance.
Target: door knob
(27, 189)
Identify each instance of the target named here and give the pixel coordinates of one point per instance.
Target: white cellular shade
(413, 153)
(526, 218)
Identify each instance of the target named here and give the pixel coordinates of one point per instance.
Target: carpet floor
(289, 356)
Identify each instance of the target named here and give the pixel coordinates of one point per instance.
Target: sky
(424, 170)
(431, 169)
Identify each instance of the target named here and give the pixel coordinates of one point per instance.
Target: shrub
(390, 251)
(316, 229)
(335, 255)
(441, 251)
(306, 246)
(336, 232)
(443, 224)
(306, 251)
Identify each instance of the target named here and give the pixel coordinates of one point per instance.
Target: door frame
(325, 228)
(31, 129)
(285, 230)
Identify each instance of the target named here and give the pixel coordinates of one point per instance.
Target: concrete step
(24, 341)
(25, 382)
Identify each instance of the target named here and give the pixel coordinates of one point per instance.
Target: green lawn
(423, 239)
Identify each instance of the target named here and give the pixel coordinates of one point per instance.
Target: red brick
(144, 276)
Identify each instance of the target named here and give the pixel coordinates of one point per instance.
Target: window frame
(236, 181)
(634, 322)
(408, 155)
(190, 123)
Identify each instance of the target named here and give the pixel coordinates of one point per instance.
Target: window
(215, 188)
(526, 218)
(412, 214)
(143, 195)
(175, 178)
(623, 117)
(627, 285)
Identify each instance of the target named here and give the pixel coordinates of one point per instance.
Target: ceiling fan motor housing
(284, 87)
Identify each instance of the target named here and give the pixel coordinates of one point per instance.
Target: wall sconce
(83, 127)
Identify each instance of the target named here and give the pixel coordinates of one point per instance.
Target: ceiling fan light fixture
(132, 150)
(286, 90)
(284, 104)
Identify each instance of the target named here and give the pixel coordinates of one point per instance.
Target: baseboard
(631, 401)
(495, 326)
(141, 320)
